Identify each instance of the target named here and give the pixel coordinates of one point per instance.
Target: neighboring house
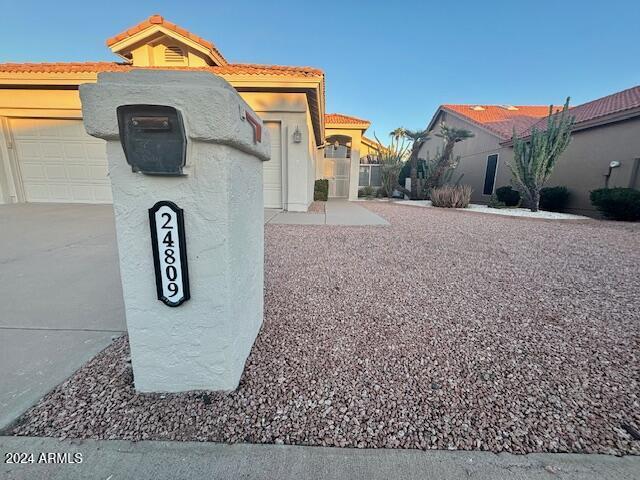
(606, 130)
(46, 156)
(348, 156)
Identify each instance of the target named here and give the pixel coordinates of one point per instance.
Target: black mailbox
(153, 138)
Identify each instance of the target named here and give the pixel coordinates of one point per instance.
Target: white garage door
(60, 162)
(273, 169)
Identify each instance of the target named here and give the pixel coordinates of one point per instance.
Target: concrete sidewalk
(337, 212)
(61, 297)
(116, 459)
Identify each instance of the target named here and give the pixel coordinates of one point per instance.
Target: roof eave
(595, 122)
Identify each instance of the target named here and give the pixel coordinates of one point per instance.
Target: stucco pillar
(203, 343)
(354, 174)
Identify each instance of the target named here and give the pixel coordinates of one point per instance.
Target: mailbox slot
(153, 138)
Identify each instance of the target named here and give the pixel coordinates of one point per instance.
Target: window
(633, 179)
(490, 174)
(369, 175)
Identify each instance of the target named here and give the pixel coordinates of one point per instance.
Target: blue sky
(390, 62)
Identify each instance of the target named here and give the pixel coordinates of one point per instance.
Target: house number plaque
(169, 253)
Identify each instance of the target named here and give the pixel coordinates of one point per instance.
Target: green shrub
(617, 203)
(495, 203)
(508, 196)
(554, 199)
(451, 196)
(381, 192)
(321, 190)
(405, 172)
(367, 191)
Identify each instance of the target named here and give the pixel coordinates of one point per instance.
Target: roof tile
(602, 107)
(341, 119)
(97, 67)
(499, 119)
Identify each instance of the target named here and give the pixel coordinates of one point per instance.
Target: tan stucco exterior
(295, 102)
(581, 168)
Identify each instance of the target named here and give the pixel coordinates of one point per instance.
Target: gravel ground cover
(446, 330)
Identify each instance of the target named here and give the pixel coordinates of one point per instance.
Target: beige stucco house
(606, 130)
(350, 158)
(46, 156)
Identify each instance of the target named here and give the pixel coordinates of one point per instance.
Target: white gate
(337, 171)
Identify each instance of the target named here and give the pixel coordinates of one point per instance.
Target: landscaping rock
(448, 330)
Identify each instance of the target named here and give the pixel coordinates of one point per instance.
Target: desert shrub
(321, 190)
(367, 191)
(451, 196)
(508, 196)
(617, 203)
(554, 199)
(495, 203)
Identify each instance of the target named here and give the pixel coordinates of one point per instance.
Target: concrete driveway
(60, 296)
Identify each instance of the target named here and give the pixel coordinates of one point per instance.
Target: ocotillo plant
(534, 158)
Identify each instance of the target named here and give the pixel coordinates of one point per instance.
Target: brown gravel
(446, 330)
(317, 207)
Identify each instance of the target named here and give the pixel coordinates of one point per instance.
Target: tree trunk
(414, 178)
(535, 200)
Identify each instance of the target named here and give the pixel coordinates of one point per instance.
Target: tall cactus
(534, 159)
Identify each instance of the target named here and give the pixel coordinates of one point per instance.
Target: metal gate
(337, 171)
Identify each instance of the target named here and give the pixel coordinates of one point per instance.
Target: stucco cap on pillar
(212, 109)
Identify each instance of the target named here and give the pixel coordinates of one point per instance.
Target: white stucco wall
(204, 343)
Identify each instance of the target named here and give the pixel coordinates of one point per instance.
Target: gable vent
(173, 55)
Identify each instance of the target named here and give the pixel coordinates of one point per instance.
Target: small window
(490, 174)
(173, 54)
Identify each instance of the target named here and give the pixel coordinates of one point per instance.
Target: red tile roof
(159, 20)
(97, 67)
(341, 119)
(499, 119)
(599, 109)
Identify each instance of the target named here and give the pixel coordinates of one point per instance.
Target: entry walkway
(337, 212)
(117, 459)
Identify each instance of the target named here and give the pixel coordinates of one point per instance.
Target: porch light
(297, 135)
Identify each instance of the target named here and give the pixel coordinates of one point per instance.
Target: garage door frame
(16, 190)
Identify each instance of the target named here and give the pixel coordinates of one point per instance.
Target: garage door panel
(50, 149)
(55, 172)
(74, 151)
(60, 162)
(33, 171)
